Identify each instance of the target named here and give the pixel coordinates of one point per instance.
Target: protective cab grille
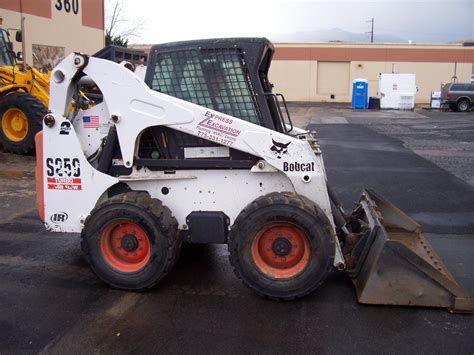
(213, 78)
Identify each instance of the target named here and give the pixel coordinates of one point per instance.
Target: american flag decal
(90, 121)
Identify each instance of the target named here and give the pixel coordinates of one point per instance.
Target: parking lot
(422, 161)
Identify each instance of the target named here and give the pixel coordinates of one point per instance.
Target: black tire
(33, 110)
(463, 106)
(286, 209)
(159, 227)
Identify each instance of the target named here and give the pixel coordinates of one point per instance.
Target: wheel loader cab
(23, 100)
(6, 50)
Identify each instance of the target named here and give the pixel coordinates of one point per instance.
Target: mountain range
(335, 35)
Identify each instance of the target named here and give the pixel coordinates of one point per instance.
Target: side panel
(228, 191)
(92, 126)
(71, 185)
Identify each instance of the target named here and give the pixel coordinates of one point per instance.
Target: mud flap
(392, 262)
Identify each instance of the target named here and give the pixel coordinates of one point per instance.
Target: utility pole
(371, 31)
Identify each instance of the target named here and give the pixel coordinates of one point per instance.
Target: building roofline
(366, 44)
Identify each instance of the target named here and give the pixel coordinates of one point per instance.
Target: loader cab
(192, 71)
(225, 75)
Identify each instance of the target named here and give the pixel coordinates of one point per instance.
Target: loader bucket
(392, 263)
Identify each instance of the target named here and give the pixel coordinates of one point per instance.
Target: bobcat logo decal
(279, 149)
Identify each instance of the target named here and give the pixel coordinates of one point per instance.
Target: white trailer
(397, 91)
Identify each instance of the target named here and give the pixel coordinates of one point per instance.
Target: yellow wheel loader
(24, 93)
(204, 152)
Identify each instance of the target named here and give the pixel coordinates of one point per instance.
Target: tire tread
(34, 110)
(285, 198)
(168, 225)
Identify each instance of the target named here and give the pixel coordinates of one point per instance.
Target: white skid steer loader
(202, 152)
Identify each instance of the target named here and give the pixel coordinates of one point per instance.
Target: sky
(425, 21)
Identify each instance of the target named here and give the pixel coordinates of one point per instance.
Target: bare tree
(120, 30)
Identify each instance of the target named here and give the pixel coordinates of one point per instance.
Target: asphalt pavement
(421, 161)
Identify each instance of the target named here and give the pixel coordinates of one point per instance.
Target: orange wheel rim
(15, 124)
(281, 250)
(125, 246)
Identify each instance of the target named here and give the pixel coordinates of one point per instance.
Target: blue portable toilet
(360, 93)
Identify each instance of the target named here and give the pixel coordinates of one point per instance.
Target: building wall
(55, 27)
(317, 72)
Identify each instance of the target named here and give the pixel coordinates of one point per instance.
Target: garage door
(333, 78)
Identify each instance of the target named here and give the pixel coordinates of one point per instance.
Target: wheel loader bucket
(394, 264)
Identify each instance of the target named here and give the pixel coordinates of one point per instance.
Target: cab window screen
(213, 78)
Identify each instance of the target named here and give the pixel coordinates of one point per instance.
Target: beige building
(54, 28)
(324, 72)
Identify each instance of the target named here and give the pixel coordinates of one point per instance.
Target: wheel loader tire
(282, 246)
(131, 241)
(21, 118)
